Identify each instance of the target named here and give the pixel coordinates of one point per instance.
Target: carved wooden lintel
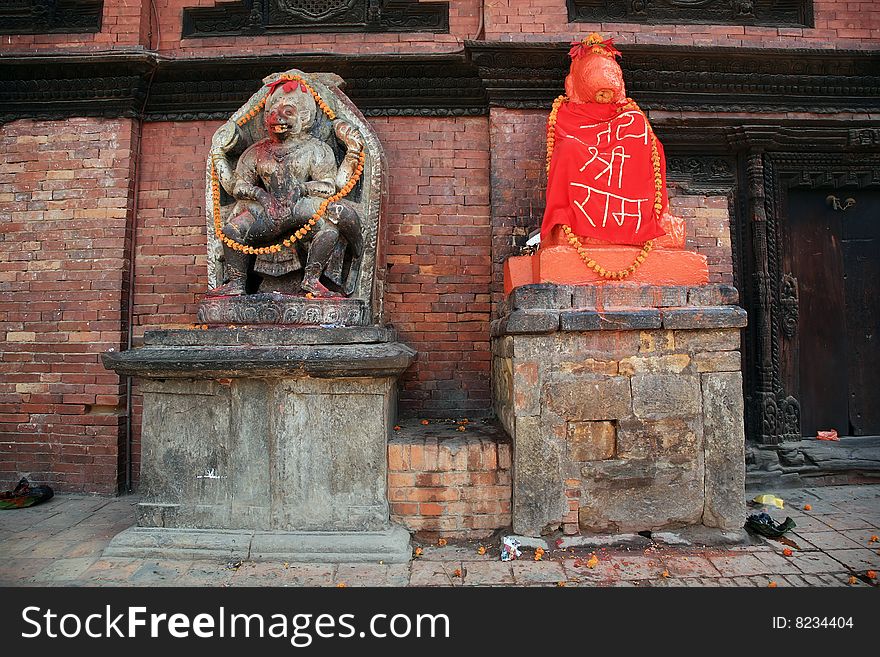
(793, 13)
(50, 16)
(244, 17)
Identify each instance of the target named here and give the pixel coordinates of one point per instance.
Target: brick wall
(125, 24)
(443, 485)
(439, 259)
(64, 200)
(129, 23)
(839, 24)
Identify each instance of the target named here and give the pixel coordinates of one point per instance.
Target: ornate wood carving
(788, 302)
(50, 16)
(771, 296)
(245, 17)
(675, 78)
(506, 75)
(795, 13)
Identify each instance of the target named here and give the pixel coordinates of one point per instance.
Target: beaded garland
(573, 239)
(301, 232)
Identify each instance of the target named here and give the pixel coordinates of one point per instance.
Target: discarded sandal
(24, 495)
(763, 524)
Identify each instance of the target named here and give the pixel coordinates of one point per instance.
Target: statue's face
(595, 79)
(291, 114)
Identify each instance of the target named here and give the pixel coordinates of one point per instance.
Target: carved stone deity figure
(294, 184)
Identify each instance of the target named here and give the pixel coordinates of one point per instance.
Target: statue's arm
(246, 179)
(224, 140)
(354, 144)
(322, 173)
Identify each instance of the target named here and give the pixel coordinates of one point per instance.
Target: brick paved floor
(59, 543)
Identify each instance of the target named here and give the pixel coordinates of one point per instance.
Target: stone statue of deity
(294, 188)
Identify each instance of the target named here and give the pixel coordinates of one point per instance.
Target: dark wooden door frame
(838, 158)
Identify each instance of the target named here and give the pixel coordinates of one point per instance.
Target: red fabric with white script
(601, 180)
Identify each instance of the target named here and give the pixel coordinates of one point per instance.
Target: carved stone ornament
(294, 186)
(50, 16)
(296, 16)
(682, 12)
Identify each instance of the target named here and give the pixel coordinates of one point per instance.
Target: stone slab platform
(389, 546)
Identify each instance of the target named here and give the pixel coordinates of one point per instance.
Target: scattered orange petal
(461, 427)
(871, 574)
(874, 539)
(418, 552)
(807, 507)
(560, 583)
(852, 579)
(772, 585)
(465, 421)
(425, 422)
(309, 295)
(787, 552)
(441, 542)
(341, 585)
(456, 572)
(665, 573)
(481, 550)
(539, 554)
(592, 562)
(397, 427)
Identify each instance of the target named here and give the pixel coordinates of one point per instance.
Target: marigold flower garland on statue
(301, 232)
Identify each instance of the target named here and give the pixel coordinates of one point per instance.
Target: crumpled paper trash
(510, 548)
(770, 500)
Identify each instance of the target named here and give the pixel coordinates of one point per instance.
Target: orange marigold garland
(658, 195)
(301, 232)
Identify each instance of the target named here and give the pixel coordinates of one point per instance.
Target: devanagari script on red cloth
(601, 180)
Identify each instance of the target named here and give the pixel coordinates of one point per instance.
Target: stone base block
(267, 441)
(626, 420)
(390, 546)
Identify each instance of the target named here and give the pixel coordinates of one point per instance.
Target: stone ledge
(268, 335)
(391, 545)
(530, 321)
(610, 296)
(384, 359)
(526, 322)
(705, 317)
(611, 320)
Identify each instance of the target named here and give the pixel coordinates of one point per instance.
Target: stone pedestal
(266, 443)
(625, 407)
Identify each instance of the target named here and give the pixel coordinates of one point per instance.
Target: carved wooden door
(830, 309)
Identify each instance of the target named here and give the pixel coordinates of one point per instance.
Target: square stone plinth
(272, 438)
(625, 409)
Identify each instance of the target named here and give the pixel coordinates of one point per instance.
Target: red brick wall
(439, 259)
(125, 24)
(839, 24)
(456, 488)
(171, 247)
(128, 23)
(64, 200)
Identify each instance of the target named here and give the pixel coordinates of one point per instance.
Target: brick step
(444, 481)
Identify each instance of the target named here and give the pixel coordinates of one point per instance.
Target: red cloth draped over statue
(601, 179)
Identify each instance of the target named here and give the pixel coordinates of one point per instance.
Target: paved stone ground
(59, 543)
